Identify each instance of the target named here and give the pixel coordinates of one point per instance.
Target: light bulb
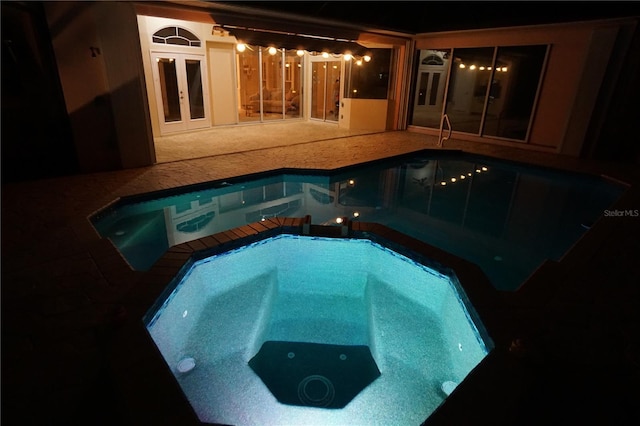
(241, 47)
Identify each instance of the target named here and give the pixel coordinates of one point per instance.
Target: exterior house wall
(101, 81)
(84, 83)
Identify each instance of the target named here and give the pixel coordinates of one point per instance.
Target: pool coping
(145, 379)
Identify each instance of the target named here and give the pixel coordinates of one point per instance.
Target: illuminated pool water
(416, 322)
(504, 217)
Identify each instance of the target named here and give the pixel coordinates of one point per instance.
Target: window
(177, 36)
(369, 80)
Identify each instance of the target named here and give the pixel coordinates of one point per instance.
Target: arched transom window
(433, 60)
(176, 35)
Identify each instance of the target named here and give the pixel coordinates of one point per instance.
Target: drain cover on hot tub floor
(314, 374)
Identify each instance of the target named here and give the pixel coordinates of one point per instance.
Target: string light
(482, 68)
(347, 56)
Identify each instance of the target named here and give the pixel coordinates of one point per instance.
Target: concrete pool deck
(68, 298)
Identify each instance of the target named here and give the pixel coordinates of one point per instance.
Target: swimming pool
(505, 217)
(219, 320)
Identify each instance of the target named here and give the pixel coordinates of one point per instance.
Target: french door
(181, 93)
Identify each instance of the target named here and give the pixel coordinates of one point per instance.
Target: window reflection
(431, 77)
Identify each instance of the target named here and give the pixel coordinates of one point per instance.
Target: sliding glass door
(270, 84)
(491, 90)
(325, 89)
(514, 88)
(470, 76)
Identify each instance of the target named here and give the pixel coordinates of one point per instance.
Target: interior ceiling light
(273, 50)
(241, 47)
(300, 52)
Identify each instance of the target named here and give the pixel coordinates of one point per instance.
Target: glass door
(468, 88)
(181, 95)
(325, 89)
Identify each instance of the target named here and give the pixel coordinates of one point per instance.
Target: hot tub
(313, 330)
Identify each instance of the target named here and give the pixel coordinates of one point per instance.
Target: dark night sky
(429, 16)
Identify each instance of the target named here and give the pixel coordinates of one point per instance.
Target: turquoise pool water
(504, 217)
(417, 323)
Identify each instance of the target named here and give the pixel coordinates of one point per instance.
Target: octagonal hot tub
(312, 330)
